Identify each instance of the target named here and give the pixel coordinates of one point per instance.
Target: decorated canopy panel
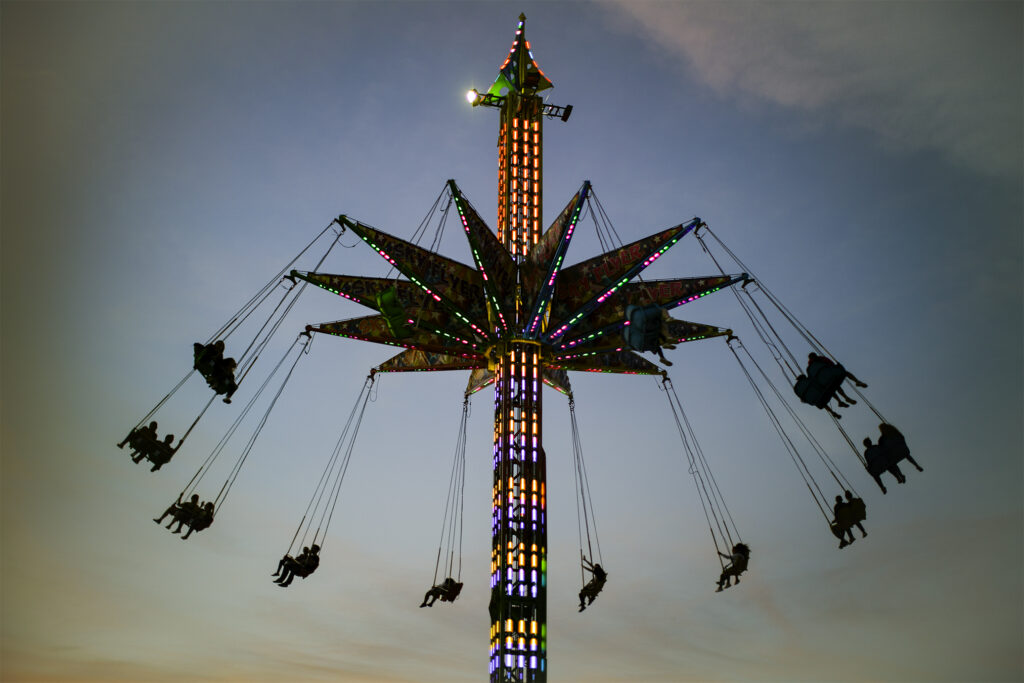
(450, 316)
(414, 360)
(584, 287)
(607, 321)
(545, 260)
(620, 362)
(377, 329)
(452, 284)
(497, 268)
(365, 290)
(611, 339)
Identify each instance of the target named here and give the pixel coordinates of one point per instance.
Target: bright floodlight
(472, 96)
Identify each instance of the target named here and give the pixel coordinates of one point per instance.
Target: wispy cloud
(921, 76)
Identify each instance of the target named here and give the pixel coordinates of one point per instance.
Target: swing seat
(894, 448)
(737, 567)
(209, 361)
(141, 441)
(393, 313)
(223, 382)
(202, 520)
(155, 451)
(829, 376)
(848, 515)
(160, 453)
(643, 333)
(137, 440)
(204, 357)
(807, 391)
(877, 460)
(858, 511)
(450, 590)
(186, 513)
(304, 569)
(592, 589)
(819, 387)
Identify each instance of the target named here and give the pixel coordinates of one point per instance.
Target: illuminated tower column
(518, 649)
(519, 531)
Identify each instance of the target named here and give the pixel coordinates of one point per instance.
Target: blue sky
(161, 161)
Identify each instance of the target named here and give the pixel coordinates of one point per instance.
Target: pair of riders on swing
(302, 566)
(886, 455)
(447, 591)
(848, 513)
(144, 443)
(193, 514)
(823, 382)
(218, 371)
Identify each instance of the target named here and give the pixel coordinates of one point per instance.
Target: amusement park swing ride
(519, 319)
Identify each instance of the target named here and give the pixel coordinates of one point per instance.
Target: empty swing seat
(643, 333)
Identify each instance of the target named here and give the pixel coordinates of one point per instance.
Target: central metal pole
(518, 606)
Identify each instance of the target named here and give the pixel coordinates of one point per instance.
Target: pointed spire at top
(520, 72)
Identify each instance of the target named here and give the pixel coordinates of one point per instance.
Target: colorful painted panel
(450, 283)
(364, 290)
(585, 286)
(681, 331)
(672, 293)
(496, 266)
(622, 362)
(414, 360)
(545, 261)
(557, 380)
(478, 379)
(375, 329)
(544, 252)
(608, 319)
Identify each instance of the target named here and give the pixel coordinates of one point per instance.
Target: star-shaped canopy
(451, 316)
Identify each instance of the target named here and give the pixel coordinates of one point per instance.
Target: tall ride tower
(518, 602)
(517, 318)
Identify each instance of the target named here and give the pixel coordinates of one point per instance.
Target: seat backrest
(831, 378)
(644, 330)
(877, 461)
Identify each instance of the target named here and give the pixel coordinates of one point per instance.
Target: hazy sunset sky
(162, 160)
